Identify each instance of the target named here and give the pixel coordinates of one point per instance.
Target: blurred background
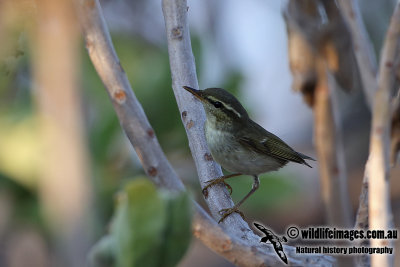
(240, 46)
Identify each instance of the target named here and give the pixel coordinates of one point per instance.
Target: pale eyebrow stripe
(225, 105)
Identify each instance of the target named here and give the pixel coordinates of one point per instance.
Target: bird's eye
(217, 104)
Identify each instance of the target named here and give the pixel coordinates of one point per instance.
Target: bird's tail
(305, 157)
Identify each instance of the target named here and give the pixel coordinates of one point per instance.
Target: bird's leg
(226, 212)
(219, 180)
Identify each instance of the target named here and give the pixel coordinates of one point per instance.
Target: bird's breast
(219, 141)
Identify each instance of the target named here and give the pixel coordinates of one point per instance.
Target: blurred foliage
(233, 79)
(20, 148)
(149, 228)
(147, 68)
(15, 97)
(22, 202)
(274, 192)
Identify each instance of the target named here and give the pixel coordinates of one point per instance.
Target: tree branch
(183, 72)
(130, 113)
(379, 158)
(242, 249)
(330, 151)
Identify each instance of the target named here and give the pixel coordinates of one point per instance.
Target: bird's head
(220, 105)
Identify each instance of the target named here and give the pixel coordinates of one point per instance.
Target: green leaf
(178, 232)
(102, 253)
(139, 224)
(150, 228)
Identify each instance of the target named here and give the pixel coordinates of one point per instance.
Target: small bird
(238, 144)
(274, 239)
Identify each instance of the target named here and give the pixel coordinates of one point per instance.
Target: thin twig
(239, 249)
(380, 214)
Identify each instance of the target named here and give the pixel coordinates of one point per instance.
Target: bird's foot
(214, 182)
(226, 212)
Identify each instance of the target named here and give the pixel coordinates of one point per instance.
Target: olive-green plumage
(238, 143)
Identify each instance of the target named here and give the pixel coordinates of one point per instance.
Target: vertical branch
(64, 185)
(330, 153)
(183, 72)
(362, 217)
(379, 190)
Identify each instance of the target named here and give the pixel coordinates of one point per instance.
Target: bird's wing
(269, 144)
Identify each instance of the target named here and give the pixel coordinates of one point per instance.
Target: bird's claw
(226, 212)
(214, 182)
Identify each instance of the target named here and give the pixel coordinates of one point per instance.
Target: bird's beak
(196, 93)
